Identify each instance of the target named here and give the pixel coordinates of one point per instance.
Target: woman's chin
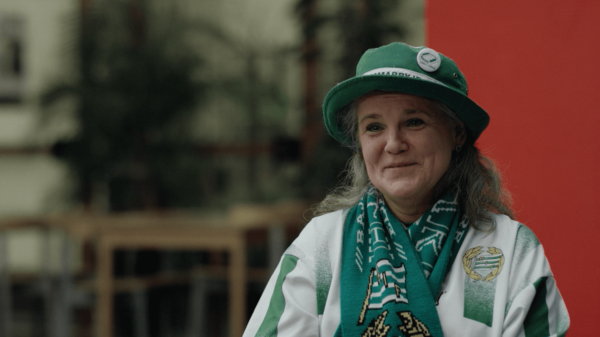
(406, 195)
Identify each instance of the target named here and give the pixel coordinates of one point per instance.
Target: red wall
(535, 67)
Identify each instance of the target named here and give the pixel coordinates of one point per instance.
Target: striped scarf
(391, 276)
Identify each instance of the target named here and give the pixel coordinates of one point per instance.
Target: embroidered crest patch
(480, 264)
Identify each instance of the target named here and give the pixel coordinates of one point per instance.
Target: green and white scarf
(391, 276)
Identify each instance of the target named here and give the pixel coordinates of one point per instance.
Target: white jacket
(302, 298)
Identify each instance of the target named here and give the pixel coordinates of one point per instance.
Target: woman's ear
(460, 134)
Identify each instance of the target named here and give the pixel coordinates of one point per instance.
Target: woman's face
(406, 144)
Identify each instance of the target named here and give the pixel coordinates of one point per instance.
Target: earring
(458, 148)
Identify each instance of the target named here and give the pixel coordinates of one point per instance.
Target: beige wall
(33, 184)
(28, 182)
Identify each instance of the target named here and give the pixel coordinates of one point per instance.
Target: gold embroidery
(412, 327)
(363, 311)
(377, 328)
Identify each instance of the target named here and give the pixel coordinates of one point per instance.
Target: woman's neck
(406, 212)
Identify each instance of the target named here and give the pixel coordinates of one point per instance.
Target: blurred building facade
(32, 182)
(254, 61)
(247, 128)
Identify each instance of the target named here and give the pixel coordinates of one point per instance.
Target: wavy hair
(474, 176)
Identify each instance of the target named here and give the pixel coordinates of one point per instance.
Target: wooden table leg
(63, 314)
(5, 293)
(46, 284)
(105, 289)
(237, 287)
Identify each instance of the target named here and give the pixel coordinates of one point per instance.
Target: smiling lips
(401, 165)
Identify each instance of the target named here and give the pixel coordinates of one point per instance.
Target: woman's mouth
(400, 165)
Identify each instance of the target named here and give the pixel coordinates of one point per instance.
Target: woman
(421, 240)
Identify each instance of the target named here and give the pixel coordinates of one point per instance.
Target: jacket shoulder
(319, 230)
(523, 234)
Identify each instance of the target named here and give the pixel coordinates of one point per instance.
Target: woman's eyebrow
(414, 111)
(373, 115)
(406, 111)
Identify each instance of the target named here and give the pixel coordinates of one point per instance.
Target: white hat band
(402, 72)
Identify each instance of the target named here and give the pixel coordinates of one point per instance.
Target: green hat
(413, 70)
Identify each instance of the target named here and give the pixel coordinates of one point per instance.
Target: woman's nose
(396, 142)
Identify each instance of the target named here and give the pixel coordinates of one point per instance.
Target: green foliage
(357, 25)
(366, 24)
(326, 168)
(134, 84)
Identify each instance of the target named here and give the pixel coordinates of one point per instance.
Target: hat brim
(474, 117)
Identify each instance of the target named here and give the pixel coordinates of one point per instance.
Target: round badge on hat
(429, 60)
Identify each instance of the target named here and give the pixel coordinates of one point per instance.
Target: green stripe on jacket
(536, 321)
(268, 328)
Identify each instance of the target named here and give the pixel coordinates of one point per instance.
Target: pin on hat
(429, 60)
(398, 67)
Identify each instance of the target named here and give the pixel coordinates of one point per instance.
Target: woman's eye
(414, 122)
(373, 127)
